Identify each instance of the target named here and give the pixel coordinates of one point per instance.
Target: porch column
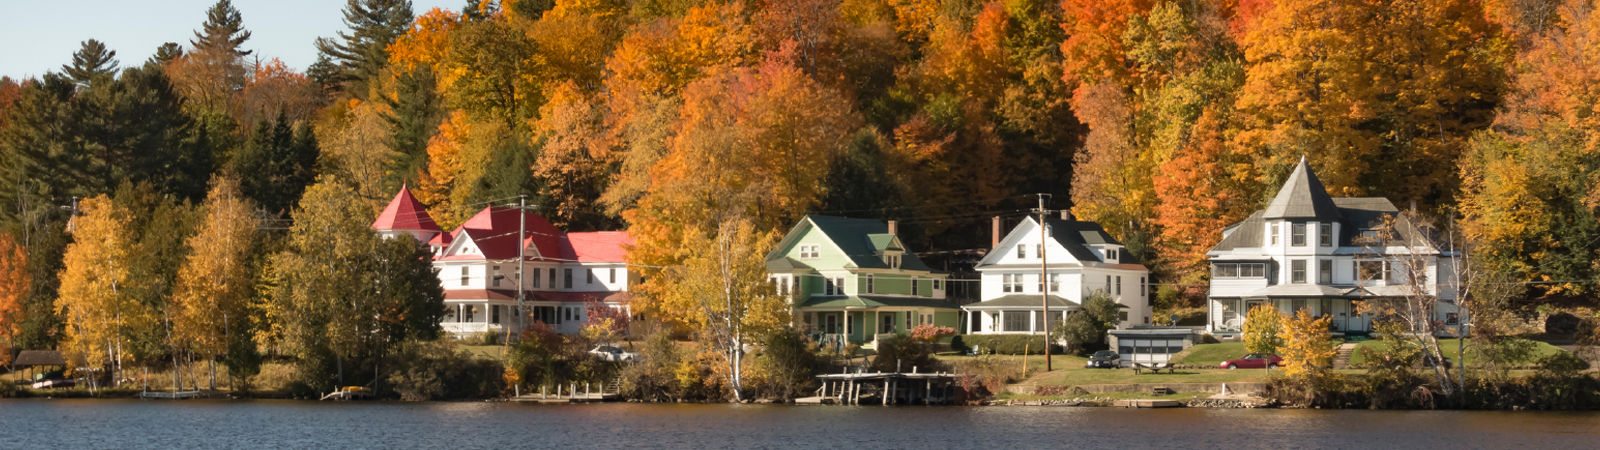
(461, 310)
(1033, 322)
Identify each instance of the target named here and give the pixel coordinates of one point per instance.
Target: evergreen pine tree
(417, 111)
(223, 30)
(91, 61)
(167, 52)
(361, 54)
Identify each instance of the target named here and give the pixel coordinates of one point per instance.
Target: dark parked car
(1104, 359)
(1253, 361)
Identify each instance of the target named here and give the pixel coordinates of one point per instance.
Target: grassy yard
(1450, 348)
(1069, 371)
(1178, 396)
(1212, 354)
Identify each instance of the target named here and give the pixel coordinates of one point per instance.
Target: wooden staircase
(1342, 359)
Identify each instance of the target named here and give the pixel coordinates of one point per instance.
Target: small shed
(1151, 344)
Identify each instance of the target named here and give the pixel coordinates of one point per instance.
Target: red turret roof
(405, 213)
(494, 231)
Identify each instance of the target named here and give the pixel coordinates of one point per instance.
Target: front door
(888, 323)
(830, 323)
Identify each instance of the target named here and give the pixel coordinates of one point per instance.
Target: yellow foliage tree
(1262, 330)
(215, 284)
(95, 290)
(1307, 351)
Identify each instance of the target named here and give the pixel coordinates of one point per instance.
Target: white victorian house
(1313, 252)
(1081, 259)
(567, 273)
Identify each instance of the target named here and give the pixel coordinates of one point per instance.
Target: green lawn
(1450, 348)
(1178, 396)
(1213, 354)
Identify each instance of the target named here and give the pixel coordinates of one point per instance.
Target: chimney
(893, 227)
(995, 234)
(1066, 215)
(1413, 207)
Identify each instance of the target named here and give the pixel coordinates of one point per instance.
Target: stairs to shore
(1342, 359)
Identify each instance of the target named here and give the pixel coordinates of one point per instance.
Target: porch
(835, 322)
(1227, 315)
(1015, 314)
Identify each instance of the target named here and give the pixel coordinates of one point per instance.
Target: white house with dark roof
(567, 273)
(1310, 251)
(1081, 260)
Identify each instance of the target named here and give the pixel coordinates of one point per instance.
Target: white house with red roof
(477, 266)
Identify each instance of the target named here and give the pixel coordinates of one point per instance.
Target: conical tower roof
(1302, 197)
(405, 213)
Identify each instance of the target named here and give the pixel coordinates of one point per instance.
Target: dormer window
(810, 251)
(1112, 255)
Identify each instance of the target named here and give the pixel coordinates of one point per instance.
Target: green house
(854, 281)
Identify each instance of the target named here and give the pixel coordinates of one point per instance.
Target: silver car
(612, 353)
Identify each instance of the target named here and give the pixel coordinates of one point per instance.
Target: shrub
(985, 376)
(930, 333)
(654, 379)
(786, 367)
(1002, 344)
(902, 352)
(439, 371)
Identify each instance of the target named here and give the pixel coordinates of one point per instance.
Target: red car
(1253, 361)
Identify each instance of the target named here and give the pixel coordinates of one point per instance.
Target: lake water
(298, 424)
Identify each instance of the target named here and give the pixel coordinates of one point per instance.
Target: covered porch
(834, 322)
(1227, 315)
(1015, 314)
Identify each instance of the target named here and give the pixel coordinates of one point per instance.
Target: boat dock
(573, 394)
(180, 395)
(881, 388)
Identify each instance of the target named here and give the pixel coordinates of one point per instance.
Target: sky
(40, 36)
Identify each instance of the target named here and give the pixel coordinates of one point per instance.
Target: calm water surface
(293, 424)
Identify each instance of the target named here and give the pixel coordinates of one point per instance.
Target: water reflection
(290, 424)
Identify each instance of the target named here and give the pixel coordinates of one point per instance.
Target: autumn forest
(202, 185)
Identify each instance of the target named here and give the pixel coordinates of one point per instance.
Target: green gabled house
(854, 281)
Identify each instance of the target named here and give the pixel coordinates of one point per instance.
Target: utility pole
(1044, 285)
(522, 247)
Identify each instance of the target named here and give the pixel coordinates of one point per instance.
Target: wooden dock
(881, 388)
(1147, 403)
(180, 395)
(571, 393)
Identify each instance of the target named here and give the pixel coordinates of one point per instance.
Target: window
(794, 284)
(838, 285)
(1327, 307)
(1108, 284)
(810, 251)
(1111, 255)
(1119, 285)
(1143, 287)
(869, 284)
(1325, 271)
(497, 278)
(1015, 320)
(471, 311)
(1272, 230)
(566, 278)
(1010, 283)
(1038, 250)
(552, 278)
(494, 314)
(1371, 270)
(908, 315)
(1022, 251)
(612, 275)
(1369, 236)
(1325, 233)
(915, 284)
(1296, 305)
(1298, 237)
(1055, 282)
(1452, 319)
(536, 276)
(588, 275)
(1122, 316)
(466, 274)
(938, 284)
(827, 286)
(1297, 275)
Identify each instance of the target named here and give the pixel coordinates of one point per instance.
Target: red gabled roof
(596, 246)
(405, 213)
(494, 231)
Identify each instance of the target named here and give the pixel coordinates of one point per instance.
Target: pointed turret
(406, 215)
(1302, 197)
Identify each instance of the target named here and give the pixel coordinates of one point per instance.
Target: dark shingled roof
(1302, 197)
(1022, 301)
(877, 301)
(29, 358)
(1074, 235)
(856, 238)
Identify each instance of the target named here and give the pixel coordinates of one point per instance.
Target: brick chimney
(893, 227)
(995, 234)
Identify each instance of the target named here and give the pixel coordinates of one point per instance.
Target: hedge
(1003, 344)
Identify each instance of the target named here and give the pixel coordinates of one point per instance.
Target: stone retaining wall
(1213, 388)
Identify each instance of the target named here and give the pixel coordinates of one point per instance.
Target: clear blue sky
(39, 36)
